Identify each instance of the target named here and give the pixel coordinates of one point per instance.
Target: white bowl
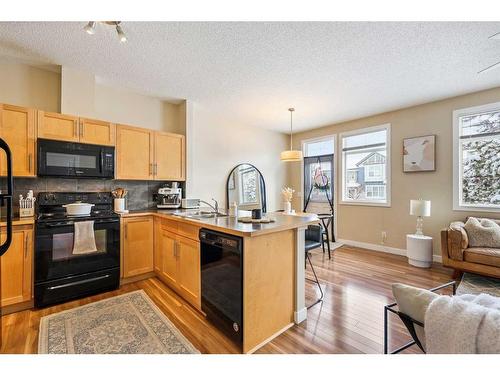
(78, 208)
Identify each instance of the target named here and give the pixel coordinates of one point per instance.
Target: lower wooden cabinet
(166, 266)
(188, 254)
(17, 267)
(177, 263)
(138, 233)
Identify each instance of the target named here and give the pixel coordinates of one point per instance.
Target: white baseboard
(383, 248)
(300, 316)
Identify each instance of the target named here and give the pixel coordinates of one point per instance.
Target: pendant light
(291, 155)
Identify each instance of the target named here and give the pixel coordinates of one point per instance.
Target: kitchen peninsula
(159, 241)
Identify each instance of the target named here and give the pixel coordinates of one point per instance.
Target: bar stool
(326, 221)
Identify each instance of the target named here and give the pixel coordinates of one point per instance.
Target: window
(366, 166)
(318, 170)
(476, 158)
(375, 191)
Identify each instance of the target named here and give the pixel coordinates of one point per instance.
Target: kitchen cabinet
(143, 154)
(97, 132)
(177, 262)
(166, 266)
(188, 254)
(138, 244)
(17, 267)
(134, 153)
(74, 129)
(17, 128)
(169, 152)
(57, 126)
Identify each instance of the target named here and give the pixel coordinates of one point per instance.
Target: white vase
(288, 207)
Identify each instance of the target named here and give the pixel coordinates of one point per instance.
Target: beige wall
(29, 86)
(365, 223)
(216, 146)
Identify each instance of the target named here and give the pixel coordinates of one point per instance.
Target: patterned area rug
(475, 284)
(127, 324)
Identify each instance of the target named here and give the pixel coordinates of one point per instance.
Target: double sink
(198, 215)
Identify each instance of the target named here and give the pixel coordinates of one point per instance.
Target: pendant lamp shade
(291, 155)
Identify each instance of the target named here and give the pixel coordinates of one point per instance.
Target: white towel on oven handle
(84, 239)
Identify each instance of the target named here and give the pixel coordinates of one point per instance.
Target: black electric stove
(61, 273)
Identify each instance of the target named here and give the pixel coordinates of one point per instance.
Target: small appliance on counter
(169, 197)
(190, 203)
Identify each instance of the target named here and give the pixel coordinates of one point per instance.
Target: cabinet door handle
(125, 234)
(30, 157)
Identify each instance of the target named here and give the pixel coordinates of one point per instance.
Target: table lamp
(420, 208)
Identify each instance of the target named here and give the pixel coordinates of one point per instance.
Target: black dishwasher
(222, 281)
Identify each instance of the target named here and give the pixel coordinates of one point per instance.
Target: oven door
(67, 159)
(55, 256)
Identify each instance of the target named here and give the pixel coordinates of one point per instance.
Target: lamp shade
(420, 207)
(291, 155)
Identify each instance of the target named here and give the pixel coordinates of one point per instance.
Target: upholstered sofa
(457, 253)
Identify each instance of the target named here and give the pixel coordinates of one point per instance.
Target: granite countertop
(18, 221)
(231, 224)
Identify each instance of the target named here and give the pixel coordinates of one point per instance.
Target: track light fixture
(90, 28)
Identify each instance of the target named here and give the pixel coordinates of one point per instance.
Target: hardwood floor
(356, 283)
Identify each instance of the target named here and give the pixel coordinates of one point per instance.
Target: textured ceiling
(251, 73)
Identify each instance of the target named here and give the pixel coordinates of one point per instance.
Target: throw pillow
(484, 233)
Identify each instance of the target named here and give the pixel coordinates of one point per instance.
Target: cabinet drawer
(182, 229)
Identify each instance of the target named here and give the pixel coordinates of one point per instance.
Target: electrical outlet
(384, 237)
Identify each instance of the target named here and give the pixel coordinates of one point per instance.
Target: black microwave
(74, 160)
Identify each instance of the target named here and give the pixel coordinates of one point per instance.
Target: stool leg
(317, 282)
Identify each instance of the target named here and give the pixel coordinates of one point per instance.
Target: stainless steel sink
(200, 214)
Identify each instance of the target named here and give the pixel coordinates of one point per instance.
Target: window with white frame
(476, 158)
(366, 166)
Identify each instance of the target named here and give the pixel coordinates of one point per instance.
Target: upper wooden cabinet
(169, 152)
(97, 132)
(57, 126)
(75, 129)
(134, 153)
(143, 154)
(17, 128)
(137, 246)
(17, 267)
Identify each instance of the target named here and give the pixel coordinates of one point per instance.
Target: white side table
(419, 250)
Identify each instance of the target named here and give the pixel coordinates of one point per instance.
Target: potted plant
(287, 193)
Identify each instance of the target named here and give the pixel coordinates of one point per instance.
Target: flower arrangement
(287, 193)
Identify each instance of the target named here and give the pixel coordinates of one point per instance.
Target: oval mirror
(246, 186)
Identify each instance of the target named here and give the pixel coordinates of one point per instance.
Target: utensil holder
(119, 204)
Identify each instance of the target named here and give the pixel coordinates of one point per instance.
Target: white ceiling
(251, 73)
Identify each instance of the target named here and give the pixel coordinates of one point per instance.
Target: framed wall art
(419, 154)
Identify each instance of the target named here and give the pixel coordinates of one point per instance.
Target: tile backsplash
(139, 197)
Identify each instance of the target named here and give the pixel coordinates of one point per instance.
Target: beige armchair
(458, 255)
